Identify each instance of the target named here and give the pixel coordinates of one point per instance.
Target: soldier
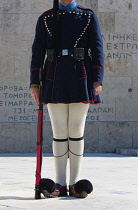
(72, 81)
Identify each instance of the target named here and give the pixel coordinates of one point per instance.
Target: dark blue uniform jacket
(67, 80)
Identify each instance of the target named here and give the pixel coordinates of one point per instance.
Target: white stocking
(60, 151)
(59, 117)
(77, 117)
(76, 148)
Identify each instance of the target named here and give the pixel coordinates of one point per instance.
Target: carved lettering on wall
(120, 45)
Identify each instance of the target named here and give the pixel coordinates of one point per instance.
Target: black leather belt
(77, 53)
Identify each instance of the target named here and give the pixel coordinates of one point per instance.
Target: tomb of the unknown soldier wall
(111, 124)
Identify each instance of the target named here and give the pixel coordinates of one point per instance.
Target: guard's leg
(59, 119)
(77, 117)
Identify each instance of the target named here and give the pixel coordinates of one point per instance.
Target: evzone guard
(72, 80)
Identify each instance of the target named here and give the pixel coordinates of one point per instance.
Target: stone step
(127, 151)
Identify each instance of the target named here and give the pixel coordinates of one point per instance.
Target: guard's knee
(60, 147)
(76, 146)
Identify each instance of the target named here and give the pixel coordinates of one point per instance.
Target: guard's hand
(35, 94)
(97, 88)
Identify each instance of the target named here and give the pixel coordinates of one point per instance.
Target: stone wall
(112, 124)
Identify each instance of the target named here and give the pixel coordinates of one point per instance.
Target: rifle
(39, 141)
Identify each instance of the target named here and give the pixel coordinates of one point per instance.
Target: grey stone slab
(14, 85)
(22, 66)
(16, 6)
(15, 137)
(114, 6)
(127, 151)
(134, 5)
(126, 19)
(109, 65)
(135, 69)
(39, 6)
(7, 65)
(7, 44)
(126, 110)
(121, 151)
(117, 87)
(135, 87)
(15, 44)
(7, 25)
(135, 134)
(25, 23)
(119, 67)
(7, 6)
(91, 137)
(125, 67)
(88, 4)
(107, 21)
(133, 152)
(114, 134)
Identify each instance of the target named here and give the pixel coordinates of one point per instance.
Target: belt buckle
(65, 52)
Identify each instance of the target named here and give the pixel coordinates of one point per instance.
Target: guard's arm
(96, 49)
(38, 45)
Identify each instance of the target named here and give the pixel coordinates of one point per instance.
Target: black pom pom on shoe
(83, 185)
(47, 184)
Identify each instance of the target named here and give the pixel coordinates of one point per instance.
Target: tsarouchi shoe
(62, 190)
(81, 189)
(48, 188)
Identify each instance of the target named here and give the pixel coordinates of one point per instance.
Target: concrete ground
(114, 177)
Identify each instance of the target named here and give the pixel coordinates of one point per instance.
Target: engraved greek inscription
(93, 118)
(19, 111)
(120, 45)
